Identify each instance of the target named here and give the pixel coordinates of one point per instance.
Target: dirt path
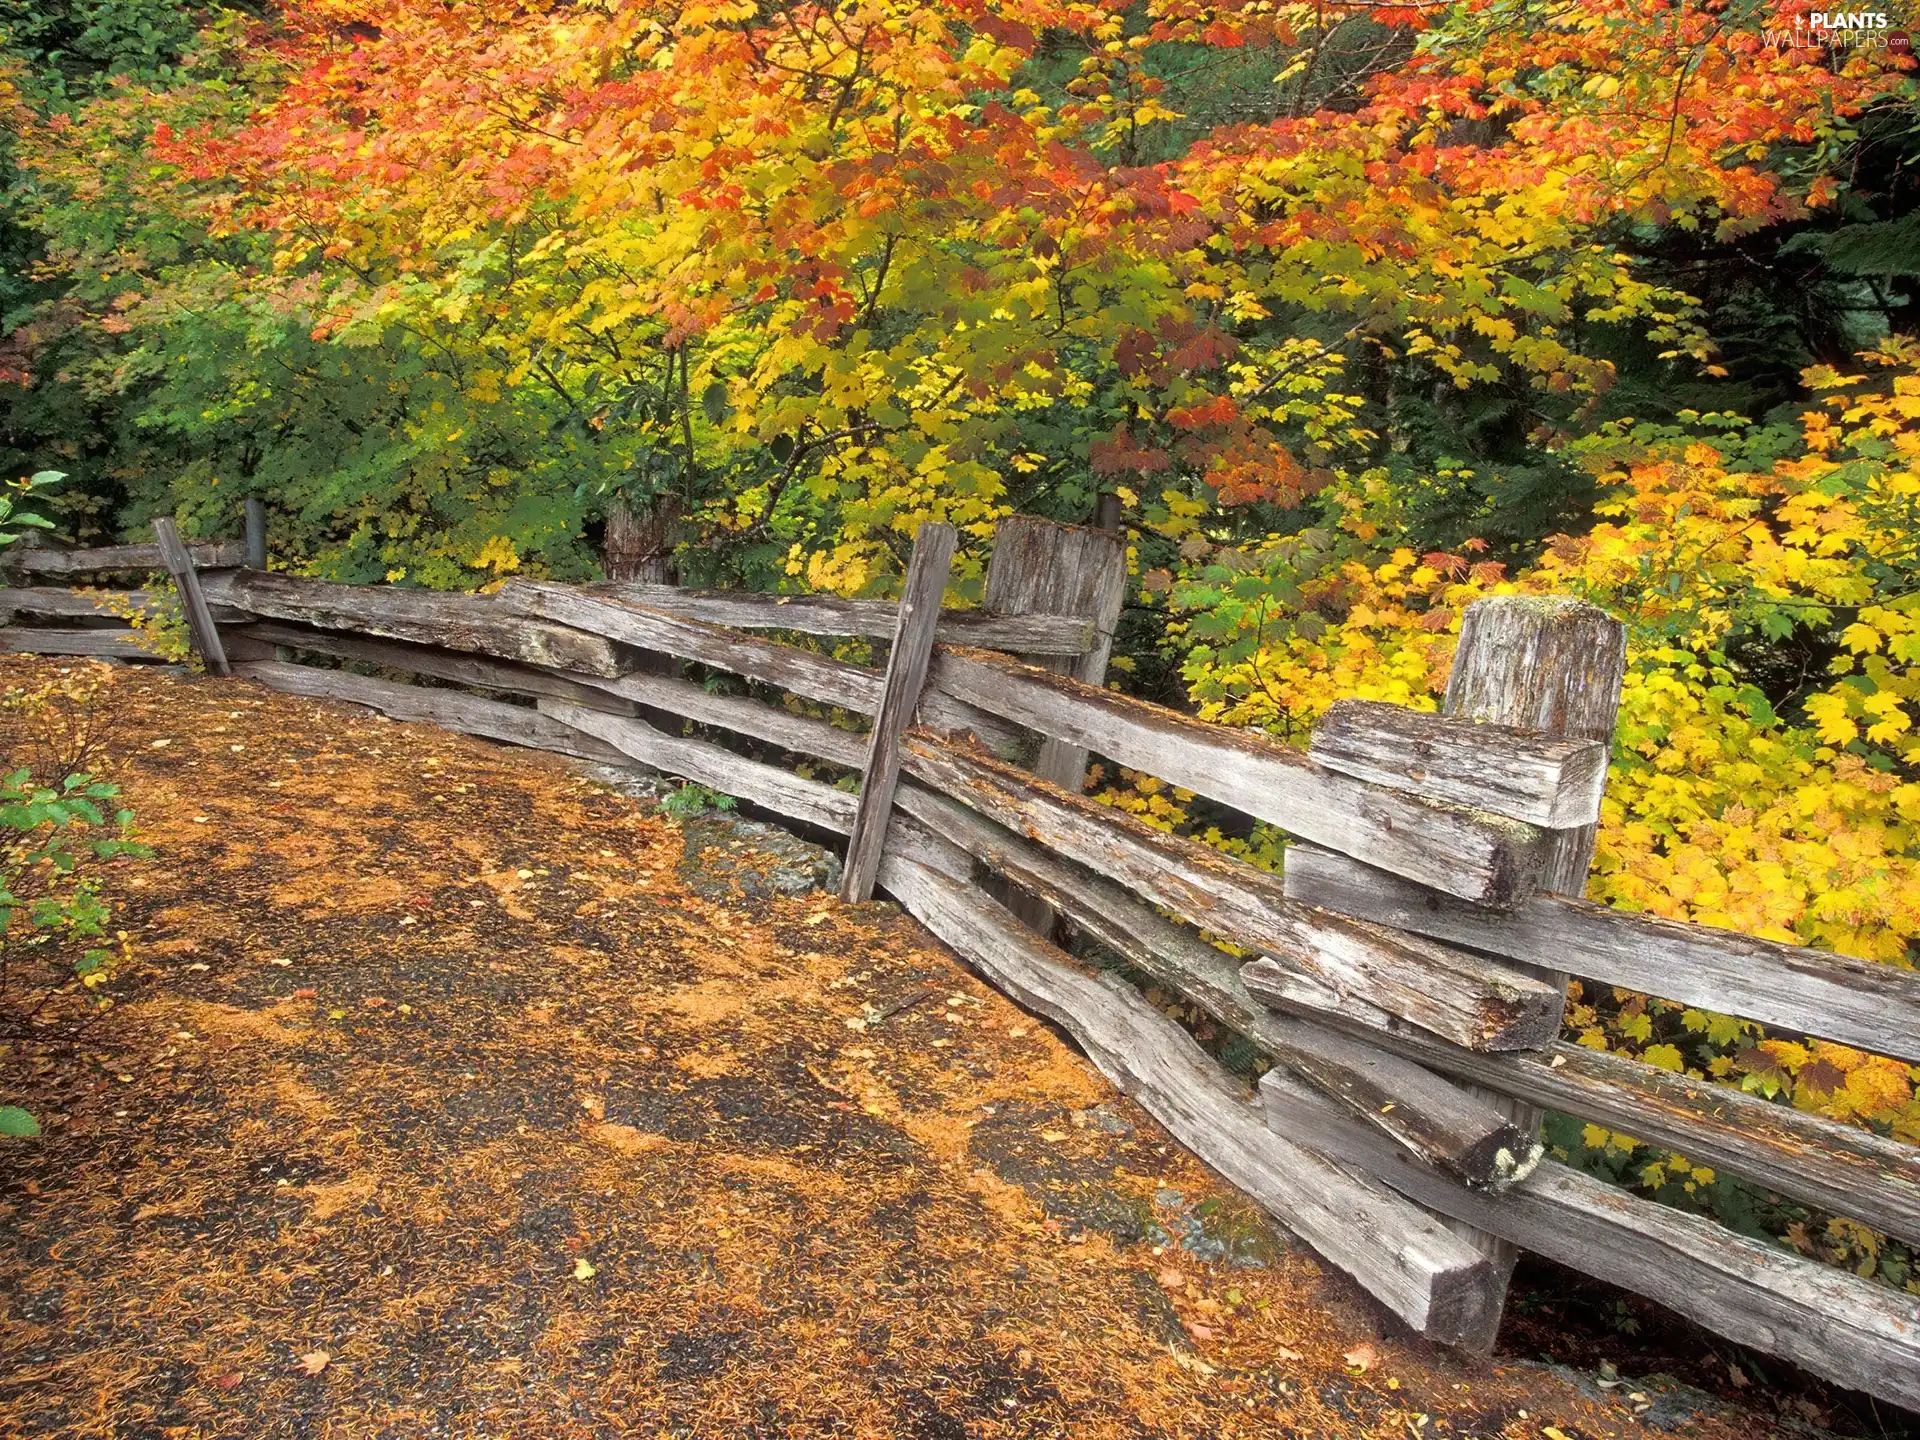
(438, 1064)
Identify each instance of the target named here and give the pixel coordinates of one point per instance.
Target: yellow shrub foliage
(1782, 807)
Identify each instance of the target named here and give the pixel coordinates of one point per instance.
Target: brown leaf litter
(453, 1111)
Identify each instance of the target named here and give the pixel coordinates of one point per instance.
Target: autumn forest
(1344, 314)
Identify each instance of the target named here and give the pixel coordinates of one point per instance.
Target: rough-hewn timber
(1042, 567)
(450, 709)
(1464, 1135)
(767, 786)
(57, 602)
(1856, 1002)
(1411, 1263)
(1545, 780)
(1553, 665)
(801, 672)
(1432, 1117)
(1838, 1168)
(33, 560)
(481, 623)
(1479, 857)
(830, 615)
(926, 584)
(738, 713)
(119, 643)
(458, 666)
(1549, 664)
(1845, 1329)
(1463, 997)
(712, 766)
(193, 601)
(255, 519)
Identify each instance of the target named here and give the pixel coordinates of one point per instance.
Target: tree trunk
(638, 546)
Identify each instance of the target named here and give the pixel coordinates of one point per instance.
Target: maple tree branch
(879, 279)
(1313, 57)
(1680, 88)
(691, 469)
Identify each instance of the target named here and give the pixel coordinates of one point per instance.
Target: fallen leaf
(625, 1138)
(1054, 1136)
(226, 1381)
(1172, 1279)
(1361, 1357)
(583, 1269)
(1191, 1362)
(313, 1362)
(1199, 1331)
(305, 993)
(1286, 1352)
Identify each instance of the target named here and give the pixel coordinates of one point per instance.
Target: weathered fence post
(933, 546)
(256, 512)
(1046, 568)
(179, 563)
(1555, 665)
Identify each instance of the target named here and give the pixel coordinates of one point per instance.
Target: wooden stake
(1554, 665)
(256, 510)
(927, 571)
(1042, 567)
(206, 638)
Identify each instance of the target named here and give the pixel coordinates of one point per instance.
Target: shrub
(59, 829)
(693, 800)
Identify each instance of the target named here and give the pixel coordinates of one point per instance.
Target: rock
(729, 857)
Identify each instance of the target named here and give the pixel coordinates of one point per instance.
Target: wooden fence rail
(37, 560)
(1064, 635)
(1404, 975)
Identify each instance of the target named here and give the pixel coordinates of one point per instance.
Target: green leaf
(17, 1122)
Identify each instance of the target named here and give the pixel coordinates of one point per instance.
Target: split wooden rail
(1406, 974)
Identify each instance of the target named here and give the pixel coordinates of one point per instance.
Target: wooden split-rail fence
(1406, 974)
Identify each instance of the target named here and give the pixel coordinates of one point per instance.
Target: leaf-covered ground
(450, 1096)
